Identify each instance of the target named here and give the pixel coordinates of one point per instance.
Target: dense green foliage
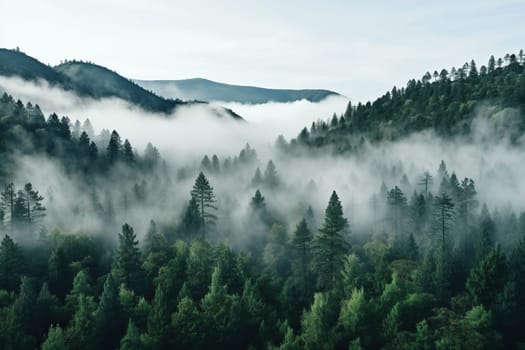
(428, 269)
(410, 287)
(445, 102)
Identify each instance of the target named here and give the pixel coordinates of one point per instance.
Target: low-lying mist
(185, 138)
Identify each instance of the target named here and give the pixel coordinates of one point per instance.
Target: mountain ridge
(210, 90)
(87, 79)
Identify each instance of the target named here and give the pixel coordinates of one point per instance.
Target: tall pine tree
(331, 245)
(202, 192)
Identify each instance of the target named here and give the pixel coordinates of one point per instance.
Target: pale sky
(358, 48)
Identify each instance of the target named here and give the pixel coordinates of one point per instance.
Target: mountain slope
(207, 90)
(91, 80)
(99, 82)
(16, 63)
(446, 103)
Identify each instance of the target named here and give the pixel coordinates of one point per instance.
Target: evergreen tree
(110, 324)
(316, 324)
(302, 245)
(202, 192)
(418, 212)
(8, 197)
(131, 341)
(271, 178)
(127, 154)
(467, 202)
(257, 203)
(114, 147)
(275, 252)
(81, 330)
(55, 339)
(128, 262)
(21, 316)
(397, 202)
(426, 182)
(487, 278)
(206, 164)
(330, 244)
(81, 287)
(10, 264)
(215, 164)
(257, 179)
(33, 203)
(443, 217)
(192, 220)
(159, 319)
(20, 209)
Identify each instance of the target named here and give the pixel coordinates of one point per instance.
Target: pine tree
(159, 319)
(397, 202)
(55, 339)
(8, 197)
(131, 341)
(206, 164)
(310, 218)
(467, 201)
(128, 262)
(257, 203)
(33, 202)
(202, 192)
(330, 244)
(418, 212)
(114, 147)
(442, 171)
(192, 220)
(271, 178)
(257, 179)
(19, 210)
(153, 241)
(127, 154)
(316, 324)
(109, 318)
(487, 278)
(82, 327)
(426, 182)
(275, 252)
(81, 287)
(215, 164)
(443, 217)
(10, 264)
(302, 245)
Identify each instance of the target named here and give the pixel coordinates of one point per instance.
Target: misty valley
(272, 219)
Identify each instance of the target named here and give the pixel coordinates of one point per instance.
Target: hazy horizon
(353, 49)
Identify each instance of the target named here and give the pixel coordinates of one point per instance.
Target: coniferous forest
(105, 246)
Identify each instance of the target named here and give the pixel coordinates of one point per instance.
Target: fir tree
(127, 154)
(128, 262)
(192, 220)
(131, 341)
(10, 264)
(302, 245)
(330, 244)
(271, 178)
(114, 147)
(203, 195)
(443, 217)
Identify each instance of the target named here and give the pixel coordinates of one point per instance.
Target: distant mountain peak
(208, 90)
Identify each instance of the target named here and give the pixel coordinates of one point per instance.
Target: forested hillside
(105, 246)
(443, 101)
(89, 80)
